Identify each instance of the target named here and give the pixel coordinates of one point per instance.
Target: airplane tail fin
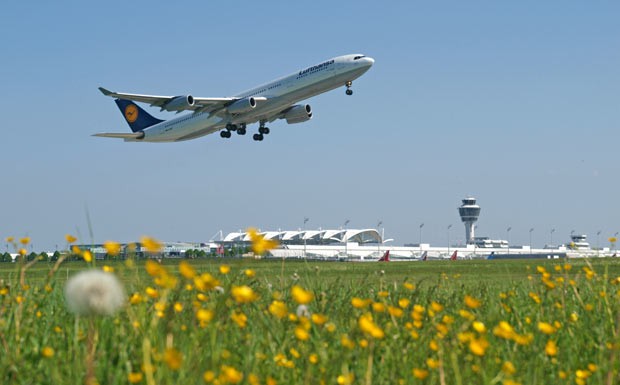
(386, 257)
(424, 256)
(136, 117)
(453, 257)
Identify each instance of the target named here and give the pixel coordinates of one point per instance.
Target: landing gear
(242, 129)
(225, 134)
(349, 91)
(262, 131)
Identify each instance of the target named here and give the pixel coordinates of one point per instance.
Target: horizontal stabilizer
(133, 135)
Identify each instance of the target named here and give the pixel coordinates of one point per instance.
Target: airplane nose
(369, 61)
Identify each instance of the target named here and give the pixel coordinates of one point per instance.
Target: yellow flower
(204, 315)
(88, 257)
(178, 307)
(551, 348)
(395, 311)
(478, 346)
(368, 326)
(508, 368)
(47, 352)
(224, 269)
(420, 374)
(313, 358)
(359, 303)
(249, 273)
(9, 239)
(347, 342)
(243, 294)
(403, 303)
(173, 358)
(345, 379)
(108, 269)
(504, 330)
(301, 296)
(112, 248)
(479, 327)
(70, 238)
(260, 245)
(472, 302)
(135, 299)
(378, 307)
(153, 293)
(433, 345)
(436, 306)
(278, 309)
(433, 363)
(319, 319)
(22, 251)
(301, 333)
(24, 241)
(409, 286)
(186, 270)
(231, 375)
(208, 376)
(240, 319)
(546, 328)
(151, 245)
(134, 377)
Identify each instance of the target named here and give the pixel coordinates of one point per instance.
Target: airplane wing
(133, 135)
(173, 103)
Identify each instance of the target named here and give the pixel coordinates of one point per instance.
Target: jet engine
(179, 103)
(241, 106)
(298, 113)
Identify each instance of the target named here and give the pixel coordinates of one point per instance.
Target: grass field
(215, 321)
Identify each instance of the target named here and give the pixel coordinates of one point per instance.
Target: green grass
(584, 308)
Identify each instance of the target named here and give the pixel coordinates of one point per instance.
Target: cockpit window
(358, 57)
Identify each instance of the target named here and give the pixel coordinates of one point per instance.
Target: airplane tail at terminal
(453, 257)
(424, 256)
(136, 117)
(386, 257)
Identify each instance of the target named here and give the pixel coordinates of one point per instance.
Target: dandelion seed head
(94, 292)
(302, 311)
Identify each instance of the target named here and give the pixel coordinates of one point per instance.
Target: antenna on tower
(469, 212)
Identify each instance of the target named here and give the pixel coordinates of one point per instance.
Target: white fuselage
(280, 94)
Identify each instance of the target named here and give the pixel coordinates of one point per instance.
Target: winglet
(105, 92)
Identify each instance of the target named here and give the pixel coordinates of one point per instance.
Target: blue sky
(515, 103)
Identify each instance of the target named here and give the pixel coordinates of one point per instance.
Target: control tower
(469, 212)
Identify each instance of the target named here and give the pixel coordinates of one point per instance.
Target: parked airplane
(263, 104)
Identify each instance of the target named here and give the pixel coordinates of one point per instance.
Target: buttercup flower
(94, 292)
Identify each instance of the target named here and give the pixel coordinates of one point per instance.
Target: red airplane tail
(386, 257)
(453, 257)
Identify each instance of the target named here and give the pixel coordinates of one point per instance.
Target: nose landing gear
(349, 91)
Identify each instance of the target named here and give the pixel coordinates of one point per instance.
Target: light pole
(508, 237)
(346, 240)
(381, 240)
(552, 231)
(421, 225)
(598, 247)
(532, 229)
(305, 221)
(448, 231)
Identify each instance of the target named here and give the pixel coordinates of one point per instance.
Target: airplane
(385, 257)
(263, 104)
(454, 255)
